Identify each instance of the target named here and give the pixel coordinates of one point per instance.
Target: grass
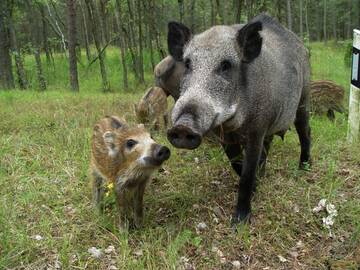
(44, 190)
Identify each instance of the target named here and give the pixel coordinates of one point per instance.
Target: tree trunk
(103, 19)
(181, 10)
(141, 59)
(212, 12)
(6, 75)
(71, 9)
(192, 15)
(155, 28)
(85, 31)
(307, 21)
(35, 25)
(122, 44)
(301, 19)
(324, 25)
(289, 15)
(18, 58)
(94, 18)
(238, 7)
(45, 35)
(132, 42)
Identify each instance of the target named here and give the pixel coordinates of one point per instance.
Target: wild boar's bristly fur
(249, 81)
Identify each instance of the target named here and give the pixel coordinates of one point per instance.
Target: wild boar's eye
(187, 64)
(130, 143)
(225, 66)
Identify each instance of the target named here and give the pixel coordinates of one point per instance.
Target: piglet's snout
(161, 153)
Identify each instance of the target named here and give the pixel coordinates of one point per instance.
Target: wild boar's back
(278, 78)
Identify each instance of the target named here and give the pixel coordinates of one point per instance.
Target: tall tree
(95, 22)
(181, 10)
(45, 40)
(85, 30)
(122, 43)
(289, 15)
(20, 71)
(33, 18)
(238, 7)
(140, 39)
(301, 28)
(324, 24)
(6, 75)
(71, 10)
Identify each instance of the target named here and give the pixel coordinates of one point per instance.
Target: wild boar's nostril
(184, 137)
(162, 153)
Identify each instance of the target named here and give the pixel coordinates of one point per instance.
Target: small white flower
(94, 252)
(320, 206)
(37, 237)
(236, 264)
(110, 249)
(282, 259)
(330, 208)
(201, 226)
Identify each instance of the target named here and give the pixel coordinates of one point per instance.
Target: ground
(47, 219)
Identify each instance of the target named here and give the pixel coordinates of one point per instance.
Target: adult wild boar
(246, 83)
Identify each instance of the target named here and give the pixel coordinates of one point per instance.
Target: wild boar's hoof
(183, 137)
(241, 217)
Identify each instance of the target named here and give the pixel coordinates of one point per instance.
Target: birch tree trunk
(122, 43)
(71, 10)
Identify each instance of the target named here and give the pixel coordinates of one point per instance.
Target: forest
(72, 29)
(66, 64)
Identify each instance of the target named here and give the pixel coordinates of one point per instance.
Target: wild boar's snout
(183, 137)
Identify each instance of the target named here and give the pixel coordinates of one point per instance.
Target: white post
(354, 99)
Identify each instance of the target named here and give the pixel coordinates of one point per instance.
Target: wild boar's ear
(250, 41)
(178, 36)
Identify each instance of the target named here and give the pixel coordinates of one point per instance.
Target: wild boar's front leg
(253, 150)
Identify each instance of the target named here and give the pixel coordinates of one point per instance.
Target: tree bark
(49, 58)
(132, 42)
(307, 21)
(17, 55)
(192, 15)
(141, 56)
(71, 10)
(301, 28)
(238, 6)
(289, 15)
(35, 25)
(103, 20)
(94, 18)
(6, 75)
(122, 44)
(85, 31)
(324, 25)
(181, 10)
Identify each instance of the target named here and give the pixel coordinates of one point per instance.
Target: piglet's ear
(250, 41)
(178, 36)
(116, 122)
(109, 140)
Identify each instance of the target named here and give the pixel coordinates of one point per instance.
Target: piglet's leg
(98, 190)
(121, 200)
(138, 204)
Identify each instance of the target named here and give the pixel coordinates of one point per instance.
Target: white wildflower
(321, 205)
(94, 252)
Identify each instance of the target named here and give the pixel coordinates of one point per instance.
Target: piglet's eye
(225, 65)
(130, 143)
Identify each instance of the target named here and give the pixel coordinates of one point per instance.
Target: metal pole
(354, 100)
